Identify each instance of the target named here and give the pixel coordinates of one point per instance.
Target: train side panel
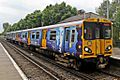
(53, 39)
(24, 37)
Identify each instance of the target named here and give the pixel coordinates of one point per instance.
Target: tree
(117, 18)
(102, 9)
(6, 27)
(53, 14)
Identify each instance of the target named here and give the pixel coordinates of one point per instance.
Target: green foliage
(52, 14)
(6, 27)
(102, 9)
(117, 18)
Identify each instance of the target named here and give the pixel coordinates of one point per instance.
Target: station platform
(116, 53)
(9, 70)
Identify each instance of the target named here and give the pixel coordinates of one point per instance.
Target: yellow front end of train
(97, 40)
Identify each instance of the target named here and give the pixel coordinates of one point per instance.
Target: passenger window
(73, 36)
(53, 35)
(37, 35)
(67, 35)
(19, 35)
(25, 35)
(33, 35)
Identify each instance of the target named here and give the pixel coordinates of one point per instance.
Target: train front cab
(97, 41)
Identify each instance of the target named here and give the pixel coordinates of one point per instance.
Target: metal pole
(118, 1)
(107, 9)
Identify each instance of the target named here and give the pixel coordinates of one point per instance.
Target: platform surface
(7, 69)
(116, 53)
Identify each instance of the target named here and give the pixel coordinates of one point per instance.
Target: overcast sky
(13, 10)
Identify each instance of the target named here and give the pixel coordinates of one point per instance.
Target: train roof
(64, 24)
(50, 26)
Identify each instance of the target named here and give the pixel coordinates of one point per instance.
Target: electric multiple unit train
(72, 43)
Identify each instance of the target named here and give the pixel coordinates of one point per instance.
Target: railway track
(74, 72)
(23, 53)
(51, 73)
(111, 73)
(80, 74)
(84, 75)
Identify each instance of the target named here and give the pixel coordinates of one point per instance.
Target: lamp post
(107, 9)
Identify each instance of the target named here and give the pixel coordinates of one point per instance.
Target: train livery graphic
(72, 43)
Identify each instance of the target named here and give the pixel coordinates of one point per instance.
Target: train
(71, 43)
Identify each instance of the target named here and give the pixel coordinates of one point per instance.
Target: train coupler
(101, 66)
(101, 62)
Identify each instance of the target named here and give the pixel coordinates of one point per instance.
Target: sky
(12, 11)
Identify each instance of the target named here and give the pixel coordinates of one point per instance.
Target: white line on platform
(115, 57)
(15, 65)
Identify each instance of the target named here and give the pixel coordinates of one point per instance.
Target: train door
(28, 37)
(70, 40)
(67, 39)
(44, 38)
(16, 36)
(97, 40)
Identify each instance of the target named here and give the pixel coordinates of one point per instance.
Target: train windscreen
(89, 30)
(106, 31)
(94, 30)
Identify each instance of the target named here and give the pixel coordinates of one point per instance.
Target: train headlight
(87, 49)
(108, 48)
(79, 46)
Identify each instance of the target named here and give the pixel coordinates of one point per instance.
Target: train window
(53, 35)
(37, 35)
(19, 34)
(107, 32)
(73, 35)
(25, 35)
(89, 30)
(33, 35)
(67, 35)
(88, 33)
(97, 32)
